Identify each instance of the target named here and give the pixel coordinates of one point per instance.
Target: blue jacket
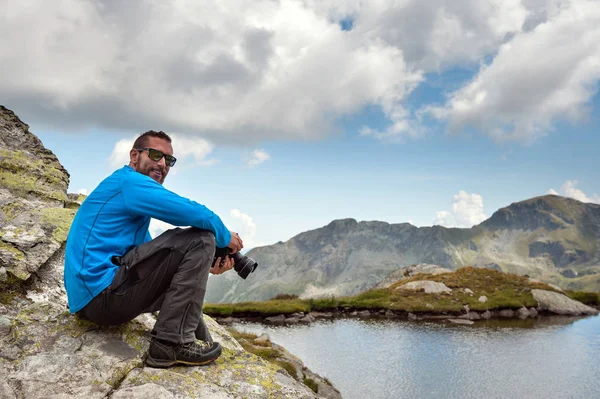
(115, 218)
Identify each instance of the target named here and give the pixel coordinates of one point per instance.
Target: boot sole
(164, 363)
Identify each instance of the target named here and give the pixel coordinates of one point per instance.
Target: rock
(429, 287)
(297, 314)
(486, 315)
(292, 320)
(226, 320)
(471, 316)
(483, 299)
(468, 291)
(412, 317)
(557, 303)
(146, 391)
(523, 313)
(389, 313)
(34, 220)
(324, 315)
(307, 319)
(60, 354)
(276, 320)
(533, 312)
(460, 321)
(507, 313)
(364, 313)
(4, 326)
(466, 308)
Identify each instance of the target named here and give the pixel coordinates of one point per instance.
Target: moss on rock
(59, 220)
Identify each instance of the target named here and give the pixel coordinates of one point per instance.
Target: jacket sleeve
(145, 197)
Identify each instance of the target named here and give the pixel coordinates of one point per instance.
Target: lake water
(553, 357)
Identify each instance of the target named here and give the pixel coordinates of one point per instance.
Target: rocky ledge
(47, 352)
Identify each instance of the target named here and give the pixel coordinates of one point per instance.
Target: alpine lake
(546, 357)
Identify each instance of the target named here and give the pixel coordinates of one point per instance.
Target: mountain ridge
(552, 238)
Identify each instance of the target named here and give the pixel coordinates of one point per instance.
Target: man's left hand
(222, 265)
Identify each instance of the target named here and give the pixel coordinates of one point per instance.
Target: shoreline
(466, 317)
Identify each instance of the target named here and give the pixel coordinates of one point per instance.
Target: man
(114, 271)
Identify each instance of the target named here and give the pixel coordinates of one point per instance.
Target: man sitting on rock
(114, 271)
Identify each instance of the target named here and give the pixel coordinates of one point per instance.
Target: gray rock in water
(508, 313)
(561, 304)
(523, 313)
(533, 312)
(461, 321)
(276, 320)
(429, 287)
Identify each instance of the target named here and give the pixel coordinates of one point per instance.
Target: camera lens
(243, 265)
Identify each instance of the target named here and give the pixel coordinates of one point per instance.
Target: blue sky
(285, 121)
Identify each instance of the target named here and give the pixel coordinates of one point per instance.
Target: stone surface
(523, 313)
(561, 304)
(429, 287)
(460, 321)
(483, 299)
(34, 218)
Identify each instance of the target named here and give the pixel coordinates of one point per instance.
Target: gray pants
(168, 274)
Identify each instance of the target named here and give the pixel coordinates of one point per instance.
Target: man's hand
(222, 265)
(236, 243)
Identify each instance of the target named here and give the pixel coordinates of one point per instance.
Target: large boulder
(35, 212)
(50, 353)
(561, 304)
(426, 286)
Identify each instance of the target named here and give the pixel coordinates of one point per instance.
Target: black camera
(242, 264)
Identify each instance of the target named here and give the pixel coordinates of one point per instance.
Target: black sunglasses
(157, 155)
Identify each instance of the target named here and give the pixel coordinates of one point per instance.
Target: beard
(155, 172)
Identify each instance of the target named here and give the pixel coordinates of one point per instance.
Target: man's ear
(133, 157)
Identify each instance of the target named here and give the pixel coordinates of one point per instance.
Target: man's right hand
(236, 243)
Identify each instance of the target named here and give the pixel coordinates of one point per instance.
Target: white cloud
(227, 70)
(243, 71)
(157, 227)
(83, 191)
(245, 227)
(120, 153)
(258, 156)
(547, 73)
(569, 189)
(467, 211)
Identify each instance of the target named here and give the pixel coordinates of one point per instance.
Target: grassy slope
(503, 290)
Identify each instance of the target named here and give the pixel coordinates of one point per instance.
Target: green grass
(503, 291)
(267, 308)
(589, 298)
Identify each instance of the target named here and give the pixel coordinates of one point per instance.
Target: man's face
(140, 161)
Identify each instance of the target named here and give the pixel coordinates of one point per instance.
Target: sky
(286, 115)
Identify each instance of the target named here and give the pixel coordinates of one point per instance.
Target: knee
(199, 238)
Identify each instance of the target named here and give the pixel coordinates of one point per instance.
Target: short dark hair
(142, 141)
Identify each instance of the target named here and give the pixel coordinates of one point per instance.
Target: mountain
(551, 238)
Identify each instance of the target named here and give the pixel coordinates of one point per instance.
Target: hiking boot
(165, 354)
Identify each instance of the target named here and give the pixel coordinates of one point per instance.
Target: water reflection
(554, 357)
